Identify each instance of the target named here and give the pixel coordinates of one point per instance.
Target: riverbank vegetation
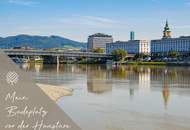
(119, 55)
(146, 63)
(171, 58)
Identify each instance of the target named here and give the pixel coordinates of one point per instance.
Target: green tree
(156, 55)
(140, 55)
(99, 50)
(173, 54)
(119, 54)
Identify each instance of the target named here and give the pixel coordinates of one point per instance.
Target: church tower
(166, 32)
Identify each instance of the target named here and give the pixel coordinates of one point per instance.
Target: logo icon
(12, 77)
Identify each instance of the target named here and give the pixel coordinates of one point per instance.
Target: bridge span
(13, 52)
(56, 54)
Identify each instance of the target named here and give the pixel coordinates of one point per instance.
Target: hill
(39, 42)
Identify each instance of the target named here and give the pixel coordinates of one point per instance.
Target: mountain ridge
(39, 42)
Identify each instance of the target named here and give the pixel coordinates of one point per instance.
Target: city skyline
(79, 19)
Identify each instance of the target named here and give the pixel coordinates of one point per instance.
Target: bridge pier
(58, 60)
(58, 63)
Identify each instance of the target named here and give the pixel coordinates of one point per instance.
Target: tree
(173, 54)
(119, 54)
(156, 55)
(99, 50)
(140, 55)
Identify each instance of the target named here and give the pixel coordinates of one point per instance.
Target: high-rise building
(132, 35)
(98, 40)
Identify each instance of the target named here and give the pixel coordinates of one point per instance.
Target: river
(121, 97)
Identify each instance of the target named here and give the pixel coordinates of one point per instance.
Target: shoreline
(159, 63)
(138, 63)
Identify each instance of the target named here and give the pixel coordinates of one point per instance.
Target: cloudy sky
(76, 19)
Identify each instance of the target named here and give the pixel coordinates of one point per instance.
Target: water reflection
(37, 67)
(166, 94)
(120, 97)
(99, 80)
(140, 76)
(131, 93)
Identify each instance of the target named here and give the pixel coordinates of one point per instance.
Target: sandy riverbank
(55, 92)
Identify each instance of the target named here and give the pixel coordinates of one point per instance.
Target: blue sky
(76, 19)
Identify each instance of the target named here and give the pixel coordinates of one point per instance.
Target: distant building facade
(167, 44)
(132, 46)
(98, 40)
(132, 35)
(181, 44)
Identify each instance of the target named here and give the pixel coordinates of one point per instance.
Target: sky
(77, 19)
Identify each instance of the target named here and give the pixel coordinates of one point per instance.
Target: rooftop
(181, 37)
(100, 35)
(130, 41)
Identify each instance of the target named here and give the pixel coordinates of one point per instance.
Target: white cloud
(183, 27)
(23, 2)
(99, 19)
(92, 21)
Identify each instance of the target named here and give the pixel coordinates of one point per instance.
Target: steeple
(166, 23)
(166, 32)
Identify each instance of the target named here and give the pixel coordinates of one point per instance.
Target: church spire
(166, 32)
(167, 23)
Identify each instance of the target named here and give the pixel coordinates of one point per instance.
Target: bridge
(15, 52)
(57, 54)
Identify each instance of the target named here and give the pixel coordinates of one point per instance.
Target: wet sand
(55, 92)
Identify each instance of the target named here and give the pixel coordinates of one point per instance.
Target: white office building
(165, 45)
(98, 40)
(132, 46)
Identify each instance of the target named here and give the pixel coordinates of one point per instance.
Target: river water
(121, 97)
